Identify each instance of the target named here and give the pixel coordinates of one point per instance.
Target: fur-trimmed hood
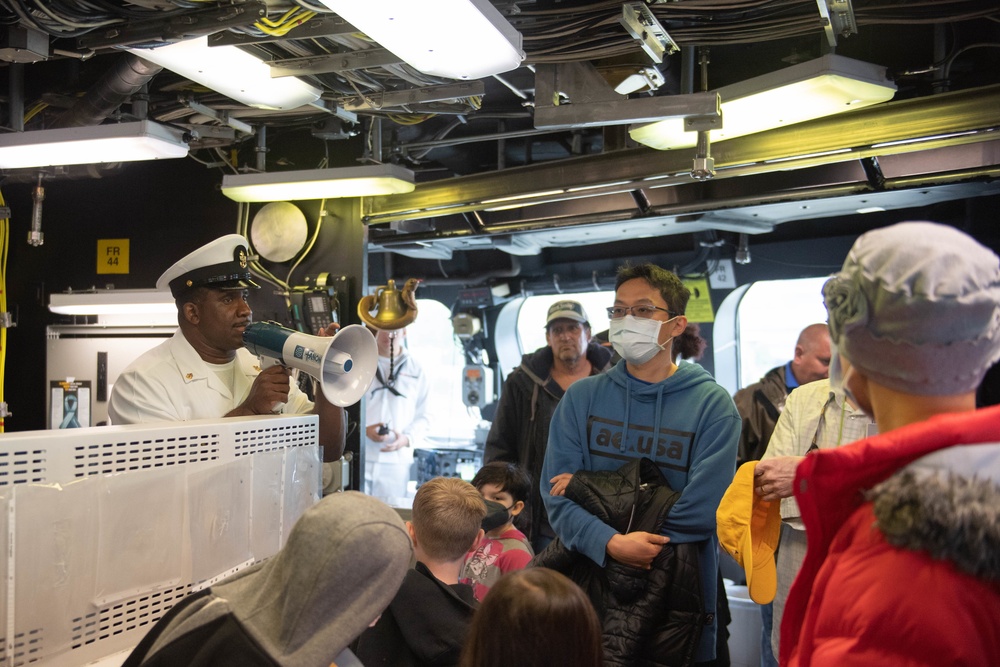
(948, 504)
(887, 517)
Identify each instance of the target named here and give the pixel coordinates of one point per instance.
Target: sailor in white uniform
(204, 371)
(396, 412)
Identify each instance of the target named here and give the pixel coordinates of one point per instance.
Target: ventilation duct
(129, 74)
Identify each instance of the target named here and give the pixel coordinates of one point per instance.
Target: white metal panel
(108, 527)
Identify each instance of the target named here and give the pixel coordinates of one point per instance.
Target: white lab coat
(172, 382)
(387, 473)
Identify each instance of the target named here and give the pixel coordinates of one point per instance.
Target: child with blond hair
(428, 619)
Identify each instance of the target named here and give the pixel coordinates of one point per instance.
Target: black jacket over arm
(649, 617)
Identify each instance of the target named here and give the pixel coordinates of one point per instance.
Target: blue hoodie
(605, 420)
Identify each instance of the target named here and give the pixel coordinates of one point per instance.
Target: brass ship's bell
(391, 312)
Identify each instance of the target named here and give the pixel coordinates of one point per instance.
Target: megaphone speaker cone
(349, 365)
(344, 364)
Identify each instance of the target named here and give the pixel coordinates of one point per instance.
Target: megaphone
(344, 364)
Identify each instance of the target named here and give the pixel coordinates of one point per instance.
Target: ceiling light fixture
(364, 181)
(460, 39)
(122, 142)
(114, 302)
(828, 85)
(233, 72)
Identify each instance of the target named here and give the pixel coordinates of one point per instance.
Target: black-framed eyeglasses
(642, 312)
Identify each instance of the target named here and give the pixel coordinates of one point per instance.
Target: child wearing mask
(505, 548)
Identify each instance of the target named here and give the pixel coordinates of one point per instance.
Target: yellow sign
(700, 304)
(112, 255)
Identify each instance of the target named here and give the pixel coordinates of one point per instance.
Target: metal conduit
(493, 136)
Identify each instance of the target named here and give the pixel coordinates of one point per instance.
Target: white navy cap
(221, 264)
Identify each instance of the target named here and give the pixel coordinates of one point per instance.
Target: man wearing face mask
(677, 416)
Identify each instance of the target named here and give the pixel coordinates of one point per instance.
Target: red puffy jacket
(901, 567)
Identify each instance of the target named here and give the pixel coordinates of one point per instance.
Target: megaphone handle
(266, 362)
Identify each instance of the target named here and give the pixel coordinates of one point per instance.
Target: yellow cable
(4, 244)
(404, 119)
(291, 19)
(279, 22)
(33, 111)
(294, 23)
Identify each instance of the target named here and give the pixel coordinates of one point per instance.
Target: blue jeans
(767, 658)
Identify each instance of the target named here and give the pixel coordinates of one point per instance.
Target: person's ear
(479, 540)
(412, 533)
(190, 313)
(517, 508)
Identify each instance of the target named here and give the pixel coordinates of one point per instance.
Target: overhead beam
(947, 119)
(333, 62)
(575, 95)
(320, 25)
(390, 99)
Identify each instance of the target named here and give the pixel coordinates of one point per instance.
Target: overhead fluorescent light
(460, 39)
(231, 71)
(114, 302)
(368, 180)
(122, 142)
(828, 85)
(527, 195)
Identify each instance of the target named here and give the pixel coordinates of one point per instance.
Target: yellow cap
(749, 529)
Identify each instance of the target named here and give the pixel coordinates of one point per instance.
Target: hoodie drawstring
(657, 416)
(622, 446)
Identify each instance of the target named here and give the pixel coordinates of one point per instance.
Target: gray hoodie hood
(344, 561)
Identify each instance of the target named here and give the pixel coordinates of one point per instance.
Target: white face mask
(637, 339)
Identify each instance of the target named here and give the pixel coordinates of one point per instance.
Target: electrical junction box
(477, 385)
(23, 45)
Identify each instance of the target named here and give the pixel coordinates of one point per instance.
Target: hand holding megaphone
(344, 364)
(269, 391)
